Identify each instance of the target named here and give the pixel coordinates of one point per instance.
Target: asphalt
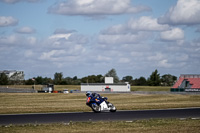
(90, 116)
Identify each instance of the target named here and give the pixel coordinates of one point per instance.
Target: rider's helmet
(88, 93)
(98, 95)
(95, 95)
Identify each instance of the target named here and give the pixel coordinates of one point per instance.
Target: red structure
(187, 82)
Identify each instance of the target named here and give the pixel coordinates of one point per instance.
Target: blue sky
(85, 37)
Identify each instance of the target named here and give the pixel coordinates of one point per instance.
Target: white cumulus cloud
(103, 58)
(122, 38)
(172, 35)
(146, 23)
(16, 40)
(60, 36)
(185, 12)
(124, 60)
(96, 7)
(52, 55)
(8, 21)
(25, 30)
(164, 63)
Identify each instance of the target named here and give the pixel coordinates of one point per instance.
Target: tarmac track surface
(90, 116)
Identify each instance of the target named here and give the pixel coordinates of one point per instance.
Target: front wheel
(95, 108)
(112, 107)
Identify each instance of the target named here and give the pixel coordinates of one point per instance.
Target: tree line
(153, 80)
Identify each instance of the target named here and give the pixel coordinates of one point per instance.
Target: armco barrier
(177, 90)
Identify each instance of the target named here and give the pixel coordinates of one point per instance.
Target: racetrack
(106, 116)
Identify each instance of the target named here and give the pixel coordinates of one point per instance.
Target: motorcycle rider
(93, 96)
(94, 101)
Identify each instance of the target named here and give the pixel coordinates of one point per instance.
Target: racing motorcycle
(100, 104)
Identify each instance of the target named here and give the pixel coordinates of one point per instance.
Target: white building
(108, 86)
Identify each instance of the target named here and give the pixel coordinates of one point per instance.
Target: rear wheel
(96, 108)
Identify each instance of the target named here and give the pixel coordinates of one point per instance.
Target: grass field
(139, 126)
(59, 102)
(78, 87)
(150, 88)
(39, 87)
(16, 103)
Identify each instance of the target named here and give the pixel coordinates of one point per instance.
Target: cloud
(17, 40)
(144, 23)
(172, 35)
(15, 1)
(133, 31)
(60, 36)
(25, 30)
(135, 43)
(7, 21)
(159, 60)
(28, 53)
(53, 55)
(96, 7)
(63, 31)
(164, 63)
(185, 12)
(156, 57)
(61, 40)
(198, 30)
(63, 47)
(103, 58)
(122, 38)
(124, 60)
(182, 57)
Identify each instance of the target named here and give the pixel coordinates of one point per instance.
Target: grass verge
(139, 126)
(150, 88)
(78, 87)
(11, 103)
(39, 87)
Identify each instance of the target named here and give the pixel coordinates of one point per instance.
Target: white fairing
(104, 106)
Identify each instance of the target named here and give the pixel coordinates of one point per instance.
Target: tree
(140, 82)
(75, 78)
(58, 77)
(29, 82)
(99, 79)
(39, 80)
(168, 79)
(127, 79)
(113, 73)
(92, 79)
(154, 79)
(4, 79)
(47, 80)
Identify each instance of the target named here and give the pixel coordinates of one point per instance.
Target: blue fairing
(98, 100)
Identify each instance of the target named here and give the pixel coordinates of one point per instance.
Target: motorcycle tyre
(113, 110)
(95, 110)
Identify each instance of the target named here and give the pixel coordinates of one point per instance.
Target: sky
(90, 37)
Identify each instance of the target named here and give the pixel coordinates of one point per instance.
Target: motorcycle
(100, 104)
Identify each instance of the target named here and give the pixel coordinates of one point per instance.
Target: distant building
(108, 86)
(188, 83)
(13, 74)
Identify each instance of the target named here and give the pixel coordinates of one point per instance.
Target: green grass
(150, 88)
(139, 126)
(78, 87)
(75, 102)
(39, 87)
